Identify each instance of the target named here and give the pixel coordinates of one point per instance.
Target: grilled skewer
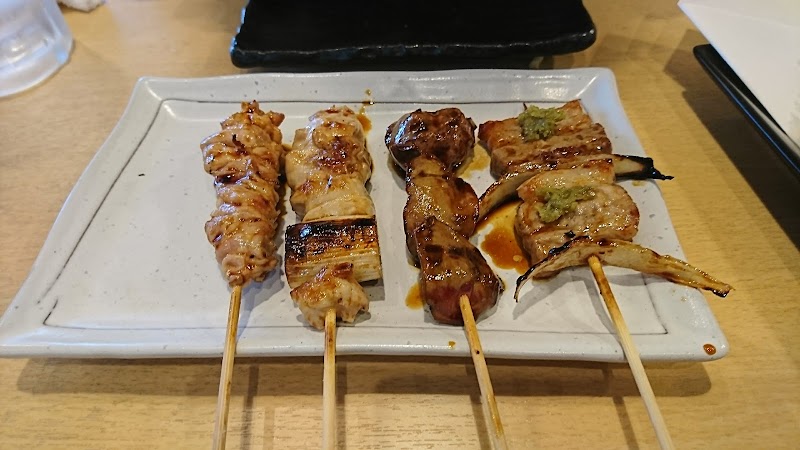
(335, 245)
(440, 215)
(245, 160)
(572, 213)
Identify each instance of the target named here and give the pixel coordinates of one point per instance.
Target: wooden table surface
(733, 202)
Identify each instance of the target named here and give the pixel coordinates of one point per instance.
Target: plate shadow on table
(767, 174)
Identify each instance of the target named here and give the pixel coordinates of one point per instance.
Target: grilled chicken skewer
(439, 217)
(335, 246)
(245, 160)
(336, 240)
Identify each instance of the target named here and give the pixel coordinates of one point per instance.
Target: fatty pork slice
(605, 211)
(575, 136)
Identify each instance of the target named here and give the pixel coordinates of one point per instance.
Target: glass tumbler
(34, 43)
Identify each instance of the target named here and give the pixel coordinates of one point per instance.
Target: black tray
(743, 98)
(410, 34)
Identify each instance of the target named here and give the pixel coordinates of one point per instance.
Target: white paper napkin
(760, 41)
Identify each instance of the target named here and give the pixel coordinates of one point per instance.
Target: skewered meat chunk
(505, 188)
(603, 210)
(447, 135)
(435, 192)
(450, 266)
(323, 196)
(332, 144)
(334, 286)
(245, 159)
(574, 136)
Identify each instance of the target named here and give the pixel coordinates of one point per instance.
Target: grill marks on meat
(610, 212)
(450, 267)
(435, 192)
(245, 160)
(446, 135)
(335, 246)
(575, 136)
(441, 211)
(329, 165)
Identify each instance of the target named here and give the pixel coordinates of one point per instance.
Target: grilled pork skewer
(440, 215)
(505, 188)
(569, 214)
(245, 160)
(555, 138)
(558, 205)
(568, 191)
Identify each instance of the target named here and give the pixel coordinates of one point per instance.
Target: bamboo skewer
(488, 402)
(224, 394)
(632, 355)
(329, 383)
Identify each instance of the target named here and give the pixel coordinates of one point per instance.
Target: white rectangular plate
(127, 271)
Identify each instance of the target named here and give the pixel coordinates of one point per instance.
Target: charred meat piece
(450, 266)
(245, 160)
(559, 205)
(574, 136)
(435, 192)
(447, 135)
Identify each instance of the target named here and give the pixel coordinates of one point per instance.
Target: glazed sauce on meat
(501, 242)
(362, 117)
(479, 161)
(414, 298)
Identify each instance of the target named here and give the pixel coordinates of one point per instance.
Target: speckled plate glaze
(126, 270)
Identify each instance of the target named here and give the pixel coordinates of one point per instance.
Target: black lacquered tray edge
(446, 53)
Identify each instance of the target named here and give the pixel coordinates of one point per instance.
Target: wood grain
(733, 204)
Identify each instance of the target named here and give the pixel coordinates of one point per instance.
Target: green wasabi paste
(559, 201)
(539, 123)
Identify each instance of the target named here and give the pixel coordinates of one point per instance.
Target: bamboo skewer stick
(632, 355)
(329, 383)
(224, 395)
(488, 402)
